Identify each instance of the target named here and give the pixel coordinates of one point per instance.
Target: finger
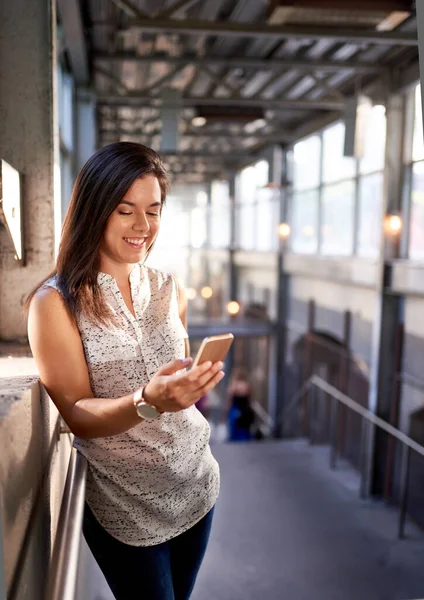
(191, 376)
(212, 383)
(203, 379)
(174, 366)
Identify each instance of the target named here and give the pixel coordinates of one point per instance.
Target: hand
(170, 391)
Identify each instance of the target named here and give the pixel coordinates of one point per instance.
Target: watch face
(147, 411)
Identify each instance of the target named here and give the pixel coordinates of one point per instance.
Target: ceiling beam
(245, 62)
(280, 32)
(71, 20)
(362, 5)
(281, 135)
(130, 9)
(134, 100)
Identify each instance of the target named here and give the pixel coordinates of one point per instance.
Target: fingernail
(185, 361)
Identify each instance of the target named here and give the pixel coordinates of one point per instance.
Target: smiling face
(133, 226)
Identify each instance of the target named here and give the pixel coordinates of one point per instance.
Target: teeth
(135, 241)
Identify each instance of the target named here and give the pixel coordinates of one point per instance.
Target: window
(304, 222)
(416, 232)
(267, 218)
(370, 215)
(416, 173)
(220, 215)
(307, 163)
(336, 166)
(375, 141)
(257, 209)
(338, 203)
(418, 145)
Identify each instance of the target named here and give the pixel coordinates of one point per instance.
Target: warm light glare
(393, 223)
(206, 292)
(198, 121)
(284, 230)
(308, 231)
(233, 308)
(191, 293)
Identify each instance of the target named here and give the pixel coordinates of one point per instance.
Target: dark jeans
(167, 571)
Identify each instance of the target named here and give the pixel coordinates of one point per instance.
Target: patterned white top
(158, 479)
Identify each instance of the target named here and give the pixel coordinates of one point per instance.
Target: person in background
(109, 338)
(240, 415)
(202, 405)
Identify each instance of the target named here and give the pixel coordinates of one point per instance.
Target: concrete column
(282, 299)
(274, 156)
(389, 311)
(420, 29)
(85, 126)
(29, 142)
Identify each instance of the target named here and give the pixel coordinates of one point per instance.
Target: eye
(154, 214)
(121, 212)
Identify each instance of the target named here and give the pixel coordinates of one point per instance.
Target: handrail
(62, 576)
(367, 414)
(368, 418)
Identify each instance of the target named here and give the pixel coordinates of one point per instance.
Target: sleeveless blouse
(157, 480)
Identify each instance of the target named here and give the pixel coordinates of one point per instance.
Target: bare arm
(57, 348)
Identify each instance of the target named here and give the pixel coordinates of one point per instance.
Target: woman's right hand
(170, 391)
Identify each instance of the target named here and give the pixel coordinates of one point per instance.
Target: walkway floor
(289, 528)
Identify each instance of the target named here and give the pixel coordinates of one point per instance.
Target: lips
(136, 243)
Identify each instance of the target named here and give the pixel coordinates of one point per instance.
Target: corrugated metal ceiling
(302, 86)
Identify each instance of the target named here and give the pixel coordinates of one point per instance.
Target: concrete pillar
(29, 142)
(420, 29)
(274, 155)
(389, 313)
(85, 126)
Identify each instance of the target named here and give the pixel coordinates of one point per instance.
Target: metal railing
(62, 579)
(369, 420)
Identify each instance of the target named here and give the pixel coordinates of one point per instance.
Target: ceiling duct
(238, 114)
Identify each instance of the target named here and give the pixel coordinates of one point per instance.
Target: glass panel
(267, 218)
(370, 213)
(247, 186)
(304, 222)
(375, 141)
(198, 229)
(262, 173)
(418, 145)
(306, 163)
(246, 227)
(336, 166)
(220, 226)
(416, 239)
(337, 218)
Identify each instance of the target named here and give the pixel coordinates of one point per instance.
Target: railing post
(334, 432)
(311, 413)
(363, 462)
(404, 478)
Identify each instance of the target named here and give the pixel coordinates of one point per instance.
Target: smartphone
(213, 348)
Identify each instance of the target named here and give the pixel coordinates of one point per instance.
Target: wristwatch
(145, 411)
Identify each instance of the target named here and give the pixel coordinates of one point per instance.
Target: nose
(141, 224)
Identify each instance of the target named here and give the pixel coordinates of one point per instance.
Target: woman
(240, 415)
(109, 338)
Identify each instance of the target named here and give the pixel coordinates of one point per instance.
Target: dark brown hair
(100, 186)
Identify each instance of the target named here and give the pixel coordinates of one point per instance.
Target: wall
(33, 465)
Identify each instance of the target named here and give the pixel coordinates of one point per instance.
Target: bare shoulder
(57, 349)
(48, 306)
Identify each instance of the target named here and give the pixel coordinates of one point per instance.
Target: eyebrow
(133, 204)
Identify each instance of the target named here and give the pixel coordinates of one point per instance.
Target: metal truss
(244, 30)
(272, 64)
(136, 100)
